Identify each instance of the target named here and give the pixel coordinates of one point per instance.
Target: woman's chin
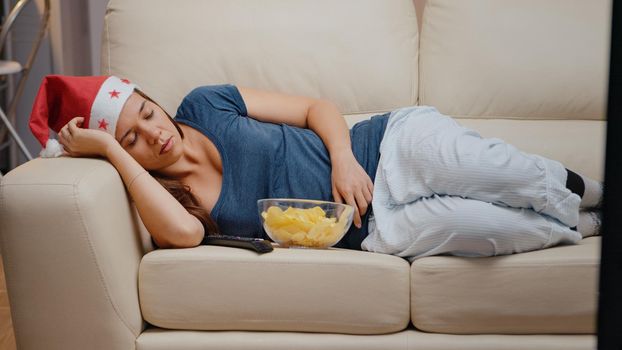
(166, 161)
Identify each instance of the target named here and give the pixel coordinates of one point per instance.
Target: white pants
(441, 188)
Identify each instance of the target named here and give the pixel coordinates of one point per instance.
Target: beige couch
(80, 270)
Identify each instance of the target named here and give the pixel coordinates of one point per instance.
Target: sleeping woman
(421, 184)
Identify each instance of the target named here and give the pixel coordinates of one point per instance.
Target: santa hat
(98, 99)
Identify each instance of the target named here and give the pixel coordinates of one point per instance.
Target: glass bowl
(304, 223)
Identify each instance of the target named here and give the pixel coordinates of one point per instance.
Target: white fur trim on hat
(52, 149)
(108, 104)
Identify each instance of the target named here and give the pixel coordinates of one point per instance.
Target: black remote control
(258, 245)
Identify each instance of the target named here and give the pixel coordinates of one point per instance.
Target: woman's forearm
(327, 122)
(350, 183)
(168, 222)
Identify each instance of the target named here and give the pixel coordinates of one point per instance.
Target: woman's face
(147, 134)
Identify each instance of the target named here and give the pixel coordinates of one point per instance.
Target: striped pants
(441, 188)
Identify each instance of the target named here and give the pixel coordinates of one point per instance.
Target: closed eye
(136, 134)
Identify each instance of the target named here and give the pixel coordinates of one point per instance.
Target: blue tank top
(267, 160)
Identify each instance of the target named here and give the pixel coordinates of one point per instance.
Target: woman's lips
(167, 146)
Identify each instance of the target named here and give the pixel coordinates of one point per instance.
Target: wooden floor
(7, 340)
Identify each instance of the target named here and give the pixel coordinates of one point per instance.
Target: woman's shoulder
(222, 97)
(203, 91)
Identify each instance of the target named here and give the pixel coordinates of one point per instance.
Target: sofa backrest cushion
(360, 54)
(536, 59)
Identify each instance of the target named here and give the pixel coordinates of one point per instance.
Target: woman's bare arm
(168, 222)
(350, 182)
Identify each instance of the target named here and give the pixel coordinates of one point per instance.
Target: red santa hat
(98, 99)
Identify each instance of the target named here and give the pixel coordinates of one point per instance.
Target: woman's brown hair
(180, 191)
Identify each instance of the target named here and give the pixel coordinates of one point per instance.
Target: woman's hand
(79, 142)
(351, 184)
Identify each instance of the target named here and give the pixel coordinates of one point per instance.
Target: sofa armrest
(71, 251)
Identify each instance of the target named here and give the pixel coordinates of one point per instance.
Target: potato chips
(304, 227)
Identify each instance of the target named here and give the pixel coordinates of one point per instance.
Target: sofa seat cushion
(550, 291)
(306, 290)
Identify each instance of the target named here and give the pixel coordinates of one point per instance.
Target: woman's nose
(152, 134)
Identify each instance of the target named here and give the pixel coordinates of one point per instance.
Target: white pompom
(52, 149)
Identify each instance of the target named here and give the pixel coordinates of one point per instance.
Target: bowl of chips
(304, 223)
